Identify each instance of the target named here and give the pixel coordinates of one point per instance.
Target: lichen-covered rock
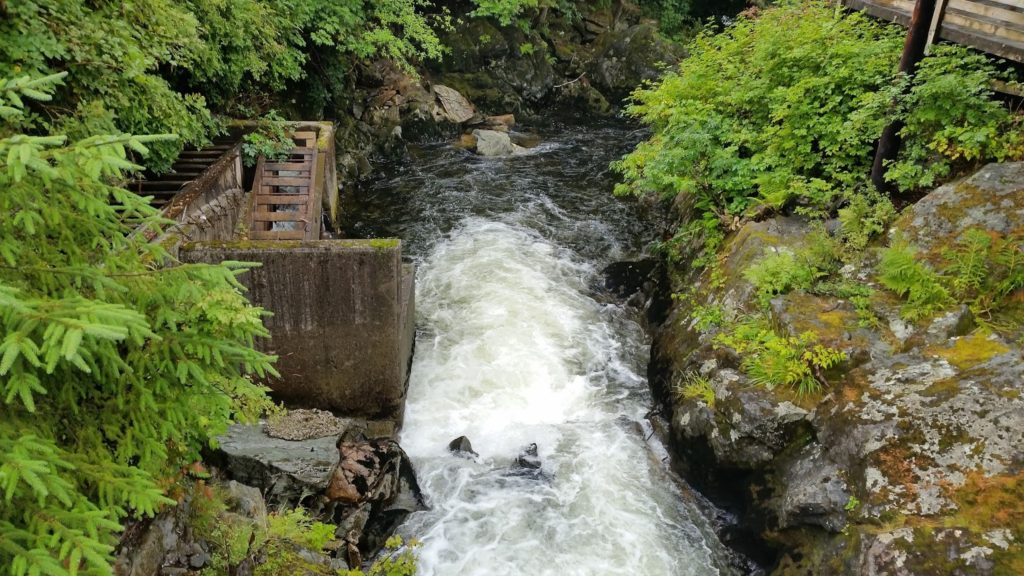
(991, 199)
(921, 431)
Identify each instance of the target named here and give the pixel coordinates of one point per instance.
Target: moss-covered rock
(910, 461)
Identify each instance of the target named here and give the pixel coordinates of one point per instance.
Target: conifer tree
(116, 363)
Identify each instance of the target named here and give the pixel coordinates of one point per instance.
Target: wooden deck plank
(297, 216)
(994, 26)
(285, 180)
(300, 166)
(278, 199)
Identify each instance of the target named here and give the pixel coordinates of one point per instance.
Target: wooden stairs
(285, 202)
(188, 167)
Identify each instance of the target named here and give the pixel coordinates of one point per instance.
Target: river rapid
(516, 344)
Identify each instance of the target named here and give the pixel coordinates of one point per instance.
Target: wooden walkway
(993, 26)
(285, 203)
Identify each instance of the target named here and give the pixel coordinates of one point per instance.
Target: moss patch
(970, 351)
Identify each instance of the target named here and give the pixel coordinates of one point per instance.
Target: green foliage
(504, 11)
(951, 119)
(158, 67)
(771, 360)
(116, 365)
(864, 217)
(781, 272)
(285, 532)
(270, 140)
(784, 109)
(857, 293)
(900, 270)
(274, 546)
(707, 316)
(852, 503)
(987, 272)
(694, 386)
(398, 559)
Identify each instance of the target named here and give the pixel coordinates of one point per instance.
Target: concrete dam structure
(342, 317)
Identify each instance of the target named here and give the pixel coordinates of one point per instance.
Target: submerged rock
(629, 277)
(461, 446)
(528, 459)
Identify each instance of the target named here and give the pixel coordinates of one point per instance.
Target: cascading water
(514, 348)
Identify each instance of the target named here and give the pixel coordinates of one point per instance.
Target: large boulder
(359, 479)
(493, 143)
(454, 106)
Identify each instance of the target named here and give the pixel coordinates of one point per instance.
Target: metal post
(913, 52)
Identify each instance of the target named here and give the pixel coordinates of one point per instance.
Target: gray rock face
(366, 487)
(625, 58)
(991, 199)
(287, 471)
(920, 418)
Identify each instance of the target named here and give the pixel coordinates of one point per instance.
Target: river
(517, 345)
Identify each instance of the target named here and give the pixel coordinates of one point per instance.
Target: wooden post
(913, 52)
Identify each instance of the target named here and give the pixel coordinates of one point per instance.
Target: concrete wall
(343, 318)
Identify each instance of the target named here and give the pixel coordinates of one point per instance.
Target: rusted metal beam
(913, 52)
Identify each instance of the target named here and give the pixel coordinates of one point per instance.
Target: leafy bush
(398, 559)
(781, 272)
(270, 140)
(865, 217)
(771, 360)
(116, 365)
(902, 272)
(984, 270)
(784, 109)
(987, 270)
(951, 119)
(161, 67)
(694, 386)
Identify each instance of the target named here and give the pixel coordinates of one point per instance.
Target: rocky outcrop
(911, 460)
(588, 65)
(360, 480)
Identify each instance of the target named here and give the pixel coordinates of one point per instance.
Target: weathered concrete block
(342, 321)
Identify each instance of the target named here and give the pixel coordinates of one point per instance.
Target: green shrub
(116, 365)
(865, 217)
(694, 387)
(987, 272)
(270, 140)
(783, 110)
(771, 360)
(397, 559)
(780, 272)
(900, 270)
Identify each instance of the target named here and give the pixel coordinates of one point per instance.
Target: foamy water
(513, 348)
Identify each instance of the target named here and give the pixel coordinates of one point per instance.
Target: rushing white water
(513, 349)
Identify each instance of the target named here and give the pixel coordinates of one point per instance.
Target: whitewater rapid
(515, 346)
